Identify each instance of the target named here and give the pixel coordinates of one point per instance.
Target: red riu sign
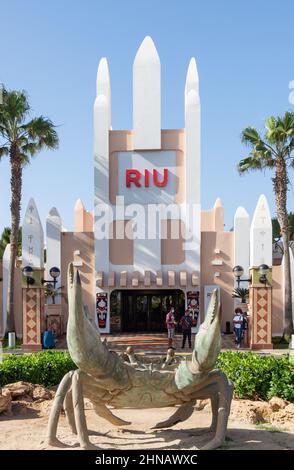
(138, 179)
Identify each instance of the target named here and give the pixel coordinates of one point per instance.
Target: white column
(102, 209)
(103, 85)
(32, 238)
(192, 166)
(53, 245)
(5, 275)
(261, 250)
(147, 97)
(242, 240)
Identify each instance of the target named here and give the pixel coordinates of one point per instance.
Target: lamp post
(263, 271)
(54, 272)
(28, 272)
(238, 272)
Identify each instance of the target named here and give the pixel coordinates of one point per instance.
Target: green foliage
(277, 230)
(241, 293)
(5, 240)
(254, 376)
(44, 368)
(258, 377)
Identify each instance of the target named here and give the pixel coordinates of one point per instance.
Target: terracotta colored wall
(224, 242)
(83, 221)
(277, 300)
(121, 246)
(212, 220)
(172, 251)
(84, 242)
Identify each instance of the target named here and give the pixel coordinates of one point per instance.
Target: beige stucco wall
(84, 243)
(222, 241)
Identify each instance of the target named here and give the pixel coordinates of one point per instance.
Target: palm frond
(250, 136)
(41, 132)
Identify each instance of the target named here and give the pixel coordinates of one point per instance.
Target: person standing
(170, 324)
(238, 326)
(186, 324)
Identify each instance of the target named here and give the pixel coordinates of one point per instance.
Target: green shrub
(44, 368)
(255, 377)
(258, 377)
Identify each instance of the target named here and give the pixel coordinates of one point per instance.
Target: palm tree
(274, 152)
(20, 139)
(5, 240)
(276, 227)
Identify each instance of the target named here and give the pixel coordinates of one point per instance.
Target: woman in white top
(238, 326)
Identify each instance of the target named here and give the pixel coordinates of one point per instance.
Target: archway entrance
(145, 310)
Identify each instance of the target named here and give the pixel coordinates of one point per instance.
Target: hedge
(255, 377)
(258, 377)
(45, 368)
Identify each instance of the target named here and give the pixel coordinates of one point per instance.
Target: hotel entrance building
(147, 203)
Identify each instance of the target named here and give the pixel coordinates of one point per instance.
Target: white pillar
(261, 250)
(53, 245)
(103, 85)
(32, 237)
(5, 276)
(147, 97)
(242, 240)
(192, 166)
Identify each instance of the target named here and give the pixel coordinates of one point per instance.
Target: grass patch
(269, 428)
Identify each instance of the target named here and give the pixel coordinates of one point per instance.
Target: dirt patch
(26, 427)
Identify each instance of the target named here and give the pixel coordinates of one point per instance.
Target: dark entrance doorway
(146, 310)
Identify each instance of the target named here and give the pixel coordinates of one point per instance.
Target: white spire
(103, 84)
(147, 97)
(261, 251)
(192, 79)
(32, 237)
(242, 239)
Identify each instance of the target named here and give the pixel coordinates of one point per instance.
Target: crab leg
(69, 411)
(79, 413)
(225, 392)
(62, 390)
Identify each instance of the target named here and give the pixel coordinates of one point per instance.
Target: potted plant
(242, 294)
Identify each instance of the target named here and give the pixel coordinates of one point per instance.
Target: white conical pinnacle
(192, 79)
(103, 84)
(147, 97)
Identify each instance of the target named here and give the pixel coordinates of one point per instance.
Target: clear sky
(244, 53)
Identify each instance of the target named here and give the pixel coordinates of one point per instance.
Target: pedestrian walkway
(152, 343)
(155, 343)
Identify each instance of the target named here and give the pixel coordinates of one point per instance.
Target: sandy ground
(26, 429)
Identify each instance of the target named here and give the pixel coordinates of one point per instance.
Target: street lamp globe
(263, 269)
(27, 271)
(238, 271)
(54, 272)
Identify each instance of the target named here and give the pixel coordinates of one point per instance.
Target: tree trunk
(15, 206)
(281, 187)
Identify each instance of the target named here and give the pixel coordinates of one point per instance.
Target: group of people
(186, 323)
(240, 325)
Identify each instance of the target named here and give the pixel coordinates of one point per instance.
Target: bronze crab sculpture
(107, 379)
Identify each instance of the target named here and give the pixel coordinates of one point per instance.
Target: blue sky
(244, 53)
